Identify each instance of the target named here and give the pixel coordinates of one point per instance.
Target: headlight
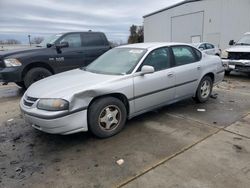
(53, 104)
(224, 54)
(12, 63)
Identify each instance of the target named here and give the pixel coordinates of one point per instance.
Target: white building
(214, 21)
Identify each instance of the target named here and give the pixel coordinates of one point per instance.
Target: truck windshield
(244, 41)
(118, 61)
(50, 40)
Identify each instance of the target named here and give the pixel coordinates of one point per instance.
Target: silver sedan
(121, 84)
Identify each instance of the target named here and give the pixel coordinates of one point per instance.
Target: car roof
(152, 45)
(76, 32)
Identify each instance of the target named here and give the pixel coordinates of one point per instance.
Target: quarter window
(159, 59)
(93, 40)
(74, 40)
(183, 55)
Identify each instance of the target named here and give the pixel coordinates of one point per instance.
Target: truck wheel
(35, 74)
(106, 117)
(20, 84)
(227, 72)
(204, 90)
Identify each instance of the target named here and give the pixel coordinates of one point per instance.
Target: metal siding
(223, 20)
(194, 28)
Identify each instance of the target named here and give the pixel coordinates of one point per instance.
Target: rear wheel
(35, 74)
(204, 90)
(106, 117)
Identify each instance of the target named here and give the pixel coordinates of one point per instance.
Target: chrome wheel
(205, 89)
(109, 118)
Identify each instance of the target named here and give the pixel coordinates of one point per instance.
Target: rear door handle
(171, 74)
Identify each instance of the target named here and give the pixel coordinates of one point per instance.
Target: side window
(209, 46)
(74, 40)
(183, 55)
(159, 59)
(198, 54)
(202, 47)
(93, 40)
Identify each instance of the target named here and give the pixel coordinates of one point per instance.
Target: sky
(20, 18)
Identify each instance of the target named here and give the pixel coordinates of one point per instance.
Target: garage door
(187, 28)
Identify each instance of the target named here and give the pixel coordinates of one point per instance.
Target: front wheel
(204, 90)
(20, 84)
(35, 74)
(106, 117)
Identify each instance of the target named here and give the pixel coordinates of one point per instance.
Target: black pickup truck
(58, 53)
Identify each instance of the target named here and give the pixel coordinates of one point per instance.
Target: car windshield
(50, 40)
(244, 41)
(117, 61)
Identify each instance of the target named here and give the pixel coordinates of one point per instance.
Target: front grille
(239, 55)
(242, 68)
(29, 101)
(32, 99)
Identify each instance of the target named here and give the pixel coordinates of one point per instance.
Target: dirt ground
(176, 146)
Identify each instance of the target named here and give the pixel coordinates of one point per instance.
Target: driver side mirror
(62, 45)
(147, 69)
(231, 42)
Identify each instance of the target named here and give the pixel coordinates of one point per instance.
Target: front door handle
(199, 68)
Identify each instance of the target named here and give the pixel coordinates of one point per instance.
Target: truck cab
(237, 57)
(57, 53)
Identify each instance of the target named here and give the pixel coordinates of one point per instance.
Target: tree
(12, 41)
(37, 40)
(136, 34)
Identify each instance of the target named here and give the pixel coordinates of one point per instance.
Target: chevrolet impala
(121, 84)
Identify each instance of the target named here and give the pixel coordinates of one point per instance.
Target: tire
(204, 90)
(35, 74)
(103, 114)
(20, 84)
(227, 72)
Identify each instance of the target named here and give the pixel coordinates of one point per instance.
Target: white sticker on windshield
(136, 51)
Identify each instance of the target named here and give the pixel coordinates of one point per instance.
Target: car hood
(19, 51)
(66, 84)
(239, 49)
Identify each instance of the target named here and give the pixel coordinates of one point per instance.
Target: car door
(73, 56)
(94, 45)
(154, 89)
(187, 70)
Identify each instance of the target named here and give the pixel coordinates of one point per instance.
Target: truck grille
(29, 101)
(239, 55)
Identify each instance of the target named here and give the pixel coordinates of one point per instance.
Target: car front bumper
(10, 74)
(237, 65)
(62, 124)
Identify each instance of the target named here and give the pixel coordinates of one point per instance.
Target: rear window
(184, 55)
(93, 40)
(198, 54)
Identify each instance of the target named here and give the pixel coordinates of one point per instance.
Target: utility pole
(29, 39)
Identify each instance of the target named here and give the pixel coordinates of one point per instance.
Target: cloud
(44, 17)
